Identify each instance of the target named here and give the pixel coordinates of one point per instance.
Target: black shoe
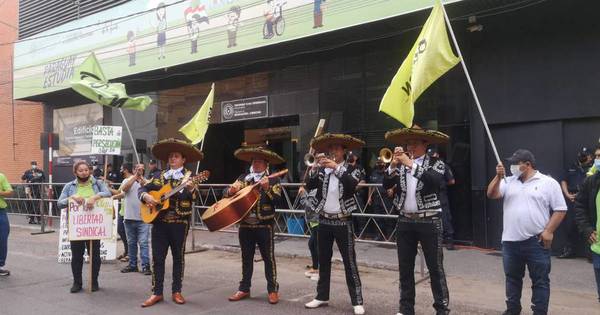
(4, 272)
(567, 253)
(146, 271)
(95, 287)
(76, 287)
(129, 269)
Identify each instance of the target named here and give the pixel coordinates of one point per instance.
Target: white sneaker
(359, 310)
(398, 313)
(315, 277)
(316, 303)
(311, 273)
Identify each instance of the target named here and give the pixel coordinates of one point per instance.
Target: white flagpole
(137, 157)
(198, 165)
(462, 62)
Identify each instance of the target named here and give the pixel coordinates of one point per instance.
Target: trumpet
(386, 155)
(310, 159)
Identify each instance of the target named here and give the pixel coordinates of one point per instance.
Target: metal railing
(373, 222)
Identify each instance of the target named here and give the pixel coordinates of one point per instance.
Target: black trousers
(342, 233)
(261, 235)
(313, 246)
(122, 234)
(428, 232)
(77, 250)
(165, 235)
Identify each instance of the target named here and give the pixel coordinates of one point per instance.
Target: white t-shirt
(132, 203)
(527, 205)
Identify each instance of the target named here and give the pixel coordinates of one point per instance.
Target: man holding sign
(80, 196)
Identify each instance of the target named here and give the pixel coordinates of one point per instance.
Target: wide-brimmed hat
(163, 148)
(404, 135)
(322, 142)
(258, 153)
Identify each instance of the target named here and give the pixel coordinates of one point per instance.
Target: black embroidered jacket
(430, 175)
(348, 176)
(180, 204)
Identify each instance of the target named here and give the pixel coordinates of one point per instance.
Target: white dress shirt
(410, 202)
(332, 201)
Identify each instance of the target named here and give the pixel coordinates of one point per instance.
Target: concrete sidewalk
(468, 262)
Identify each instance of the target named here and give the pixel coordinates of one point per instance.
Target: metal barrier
(373, 222)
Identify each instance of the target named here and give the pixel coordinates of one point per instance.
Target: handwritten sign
(108, 247)
(91, 224)
(107, 140)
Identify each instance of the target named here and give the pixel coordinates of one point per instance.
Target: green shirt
(596, 247)
(85, 190)
(4, 186)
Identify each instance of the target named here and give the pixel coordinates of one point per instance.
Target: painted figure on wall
(318, 13)
(195, 15)
(274, 21)
(233, 23)
(161, 29)
(131, 49)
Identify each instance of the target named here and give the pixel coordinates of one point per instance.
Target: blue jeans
(596, 262)
(517, 255)
(137, 232)
(4, 230)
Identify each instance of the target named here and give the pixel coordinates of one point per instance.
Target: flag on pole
(195, 129)
(430, 57)
(89, 81)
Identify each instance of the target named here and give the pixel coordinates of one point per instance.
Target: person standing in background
(570, 185)
(5, 191)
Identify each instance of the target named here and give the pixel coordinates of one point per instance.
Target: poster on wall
(158, 34)
(108, 247)
(75, 126)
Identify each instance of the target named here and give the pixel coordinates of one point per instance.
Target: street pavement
(39, 285)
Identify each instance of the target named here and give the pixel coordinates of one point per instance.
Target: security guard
(570, 184)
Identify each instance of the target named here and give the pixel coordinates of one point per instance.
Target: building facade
(532, 65)
(21, 121)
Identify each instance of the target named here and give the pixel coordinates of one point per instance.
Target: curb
(374, 265)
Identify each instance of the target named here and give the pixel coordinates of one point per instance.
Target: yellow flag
(195, 129)
(430, 57)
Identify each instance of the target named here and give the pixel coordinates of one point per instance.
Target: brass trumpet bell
(309, 159)
(386, 155)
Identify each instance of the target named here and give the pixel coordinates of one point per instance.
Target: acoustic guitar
(149, 213)
(231, 210)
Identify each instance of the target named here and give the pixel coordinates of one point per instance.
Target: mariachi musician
(257, 226)
(335, 181)
(171, 226)
(415, 178)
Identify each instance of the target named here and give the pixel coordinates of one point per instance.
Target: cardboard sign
(108, 247)
(91, 224)
(107, 140)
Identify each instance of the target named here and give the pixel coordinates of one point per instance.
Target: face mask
(33, 166)
(516, 170)
(83, 179)
(597, 163)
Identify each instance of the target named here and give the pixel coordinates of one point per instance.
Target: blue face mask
(597, 164)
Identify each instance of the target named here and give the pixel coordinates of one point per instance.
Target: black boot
(95, 286)
(76, 287)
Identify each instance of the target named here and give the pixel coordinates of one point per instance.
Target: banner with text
(144, 35)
